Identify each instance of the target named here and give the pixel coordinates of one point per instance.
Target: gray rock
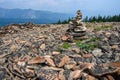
(78, 34)
(104, 46)
(114, 39)
(97, 52)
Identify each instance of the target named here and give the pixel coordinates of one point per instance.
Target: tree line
(114, 18)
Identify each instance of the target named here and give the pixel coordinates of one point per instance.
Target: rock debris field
(39, 52)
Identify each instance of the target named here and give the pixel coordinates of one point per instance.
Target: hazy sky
(65, 6)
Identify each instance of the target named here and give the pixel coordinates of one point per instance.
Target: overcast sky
(65, 6)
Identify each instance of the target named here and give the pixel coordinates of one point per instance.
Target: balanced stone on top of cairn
(77, 29)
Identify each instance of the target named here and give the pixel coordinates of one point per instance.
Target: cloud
(35, 4)
(65, 6)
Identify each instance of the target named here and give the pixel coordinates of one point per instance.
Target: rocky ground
(39, 52)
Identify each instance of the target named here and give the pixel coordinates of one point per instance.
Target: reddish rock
(76, 68)
(87, 55)
(109, 77)
(32, 67)
(76, 50)
(73, 56)
(84, 66)
(75, 74)
(49, 61)
(52, 68)
(30, 70)
(15, 59)
(115, 64)
(118, 72)
(21, 63)
(20, 41)
(13, 47)
(64, 60)
(91, 29)
(61, 75)
(108, 34)
(42, 46)
(7, 42)
(55, 53)
(89, 77)
(36, 60)
(114, 46)
(64, 38)
(70, 65)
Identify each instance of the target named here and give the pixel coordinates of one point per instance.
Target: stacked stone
(76, 28)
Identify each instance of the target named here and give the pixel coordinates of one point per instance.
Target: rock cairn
(76, 27)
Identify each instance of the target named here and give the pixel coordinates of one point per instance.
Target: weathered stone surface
(87, 55)
(100, 70)
(21, 63)
(36, 60)
(66, 73)
(42, 46)
(13, 48)
(109, 77)
(75, 74)
(70, 65)
(49, 61)
(84, 66)
(114, 39)
(114, 46)
(64, 38)
(89, 77)
(64, 61)
(97, 52)
(47, 74)
(76, 50)
(61, 75)
(55, 53)
(35, 52)
(30, 70)
(52, 68)
(17, 69)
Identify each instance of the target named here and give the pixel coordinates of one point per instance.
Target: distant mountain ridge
(31, 15)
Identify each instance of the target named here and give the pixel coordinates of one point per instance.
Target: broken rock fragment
(89, 77)
(37, 60)
(64, 38)
(100, 70)
(49, 61)
(70, 65)
(21, 63)
(75, 74)
(13, 47)
(63, 61)
(47, 74)
(60, 60)
(61, 75)
(55, 53)
(42, 46)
